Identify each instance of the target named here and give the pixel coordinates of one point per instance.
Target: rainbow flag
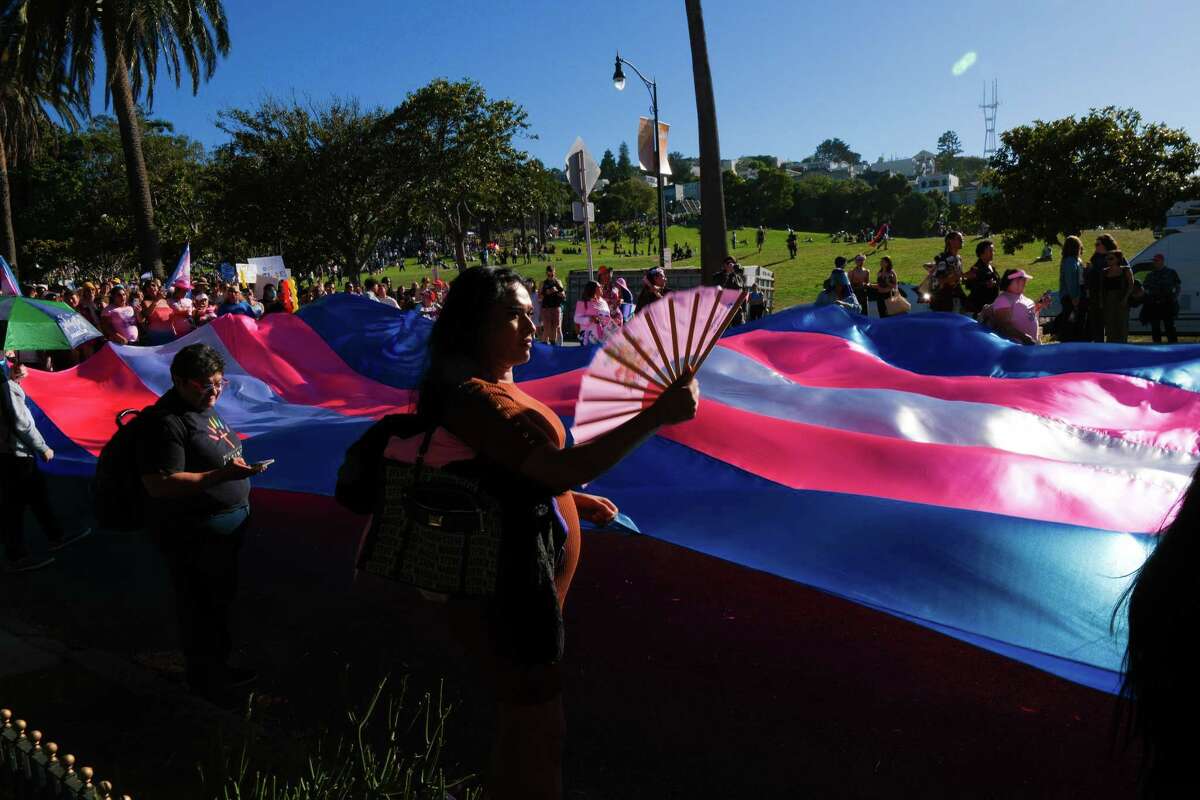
(919, 464)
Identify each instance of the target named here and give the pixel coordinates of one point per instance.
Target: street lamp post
(652, 87)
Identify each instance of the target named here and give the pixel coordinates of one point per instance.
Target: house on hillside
(965, 195)
(922, 163)
(937, 182)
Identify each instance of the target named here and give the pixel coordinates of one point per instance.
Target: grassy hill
(799, 280)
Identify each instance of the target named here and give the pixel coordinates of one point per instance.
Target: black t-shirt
(177, 438)
(552, 293)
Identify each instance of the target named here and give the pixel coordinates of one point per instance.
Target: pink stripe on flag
(970, 478)
(84, 401)
(1118, 405)
(559, 392)
(298, 366)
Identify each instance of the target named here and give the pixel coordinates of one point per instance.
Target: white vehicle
(1180, 246)
(1181, 249)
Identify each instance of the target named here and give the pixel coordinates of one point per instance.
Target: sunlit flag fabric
(918, 465)
(182, 275)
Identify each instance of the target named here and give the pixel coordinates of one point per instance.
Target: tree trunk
(135, 165)
(712, 193)
(10, 238)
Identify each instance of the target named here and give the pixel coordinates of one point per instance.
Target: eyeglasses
(213, 388)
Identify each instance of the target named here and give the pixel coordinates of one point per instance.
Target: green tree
(738, 202)
(681, 167)
(889, 192)
(27, 105)
(70, 213)
(608, 166)
(1051, 179)
(458, 145)
(625, 168)
(836, 150)
(769, 197)
(324, 184)
(968, 168)
(915, 216)
(948, 146)
(626, 200)
(184, 35)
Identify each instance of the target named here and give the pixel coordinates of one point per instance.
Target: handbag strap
(420, 462)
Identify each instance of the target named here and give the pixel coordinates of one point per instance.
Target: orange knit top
(504, 424)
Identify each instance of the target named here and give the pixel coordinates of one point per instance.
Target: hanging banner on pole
(646, 145)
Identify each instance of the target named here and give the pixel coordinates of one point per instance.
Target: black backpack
(118, 497)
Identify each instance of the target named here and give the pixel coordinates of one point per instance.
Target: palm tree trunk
(135, 168)
(712, 193)
(10, 238)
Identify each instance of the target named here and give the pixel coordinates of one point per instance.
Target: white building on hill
(936, 182)
(919, 164)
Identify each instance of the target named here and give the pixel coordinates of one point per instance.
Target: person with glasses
(22, 484)
(198, 510)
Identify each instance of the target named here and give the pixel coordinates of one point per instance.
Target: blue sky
(787, 73)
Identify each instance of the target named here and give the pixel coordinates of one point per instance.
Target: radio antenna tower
(989, 120)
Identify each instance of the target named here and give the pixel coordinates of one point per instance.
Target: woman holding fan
(485, 330)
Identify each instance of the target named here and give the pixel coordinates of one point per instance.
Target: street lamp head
(619, 76)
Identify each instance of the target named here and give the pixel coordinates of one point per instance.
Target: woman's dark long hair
(1160, 681)
(457, 338)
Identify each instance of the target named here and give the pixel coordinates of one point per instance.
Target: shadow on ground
(687, 677)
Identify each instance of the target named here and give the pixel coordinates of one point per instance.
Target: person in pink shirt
(119, 320)
(157, 316)
(181, 309)
(1014, 315)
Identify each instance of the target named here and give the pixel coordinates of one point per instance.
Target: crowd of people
(1096, 297)
(196, 480)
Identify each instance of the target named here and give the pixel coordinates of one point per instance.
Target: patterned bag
(434, 530)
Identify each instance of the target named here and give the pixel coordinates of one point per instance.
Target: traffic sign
(582, 169)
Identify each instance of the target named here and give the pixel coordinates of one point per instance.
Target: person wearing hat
(181, 308)
(1161, 305)
(1013, 315)
(654, 286)
(205, 312)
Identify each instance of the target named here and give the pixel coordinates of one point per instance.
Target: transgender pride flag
(182, 275)
(919, 465)
(8, 281)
